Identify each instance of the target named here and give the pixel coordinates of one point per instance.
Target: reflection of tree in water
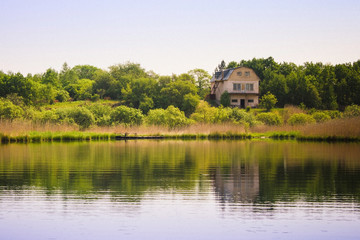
(238, 183)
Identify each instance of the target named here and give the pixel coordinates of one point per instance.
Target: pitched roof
(222, 75)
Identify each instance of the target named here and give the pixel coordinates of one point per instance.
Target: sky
(175, 36)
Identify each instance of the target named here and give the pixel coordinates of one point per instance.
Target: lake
(151, 189)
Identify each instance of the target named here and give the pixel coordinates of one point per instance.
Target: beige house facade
(241, 83)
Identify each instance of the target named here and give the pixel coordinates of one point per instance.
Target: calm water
(180, 190)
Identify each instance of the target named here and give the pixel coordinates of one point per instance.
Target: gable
(243, 74)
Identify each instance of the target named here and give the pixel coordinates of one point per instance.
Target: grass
(345, 129)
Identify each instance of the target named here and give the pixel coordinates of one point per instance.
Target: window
(239, 73)
(249, 87)
(247, 74)
(234, 100)
(237, 86)
(250, 100)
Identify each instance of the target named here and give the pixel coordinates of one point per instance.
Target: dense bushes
(171, 117)
(126, 115)
(300, 119)
(10, 111)
(82, 117)
(85, 114)
(269, 118)
(352, 111)
(321, 117)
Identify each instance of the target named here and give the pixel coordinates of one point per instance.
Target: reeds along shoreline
(347, 129)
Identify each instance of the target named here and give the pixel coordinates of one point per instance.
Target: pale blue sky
(175, 36)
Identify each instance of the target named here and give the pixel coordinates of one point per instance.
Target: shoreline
(77, 136)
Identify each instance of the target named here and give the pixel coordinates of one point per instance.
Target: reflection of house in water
(239, 183)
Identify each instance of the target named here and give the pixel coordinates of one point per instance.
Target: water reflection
(239, 171)
(187, 189)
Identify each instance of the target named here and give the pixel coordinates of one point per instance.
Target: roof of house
(222, 75)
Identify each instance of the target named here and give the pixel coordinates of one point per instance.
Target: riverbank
(345, 129)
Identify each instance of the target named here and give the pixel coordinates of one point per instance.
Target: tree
(189, 104)
(174, 92)
(268, 101)
(202, 81)
(105, 81)
(51, 77)
(232, 64)
(225, 99)
(126, 115)
(85, 71)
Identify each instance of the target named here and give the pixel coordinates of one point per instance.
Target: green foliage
(190, 103)
(334, 114)
(174, 92)
(95, 97)
(352, 111)
(241, 116)
(202, 81)
(321, 117)
(300, 119)
(225, 99)
(82, 117)
(171, 117)
(126, 115)
(101, 113)
(10, 111)
(146, 104)
(62, 96)
(268, 101)
(204, 113)
(269, 118)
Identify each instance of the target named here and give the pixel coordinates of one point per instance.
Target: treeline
(315, 85)
(312, 85)
(128, 83)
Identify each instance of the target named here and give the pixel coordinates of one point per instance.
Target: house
(241, 83)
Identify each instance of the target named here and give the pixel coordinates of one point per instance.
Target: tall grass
(346, 129)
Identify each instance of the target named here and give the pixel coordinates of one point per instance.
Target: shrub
(269, 118)
(95, 97)
(172, 117)
(352, 111)
(82, 117)
(156, 117)
(204, 113)
(225, 99)
(240, 116)
(101, 113)
(334, 114)
(10, 111)
(175, 118)
(126, 115)
(222, 114)
(47, 116)
(268, 101)
(321, 117)
(62, 96)
(300, 119)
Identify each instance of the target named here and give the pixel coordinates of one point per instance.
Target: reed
(345, 129)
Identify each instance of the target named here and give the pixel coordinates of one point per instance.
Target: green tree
(82, 116)
(225, 99)
(189, 104)
(126, 115)
(268, 101)
(202, 81)
(51, 77)
(174, 93)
